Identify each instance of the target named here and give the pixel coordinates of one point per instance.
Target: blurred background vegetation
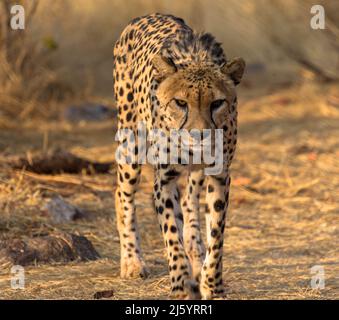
(66, 49)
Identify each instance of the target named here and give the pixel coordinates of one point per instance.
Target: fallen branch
(69, 180)
(58, 161)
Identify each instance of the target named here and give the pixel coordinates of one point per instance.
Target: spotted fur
(158, 59)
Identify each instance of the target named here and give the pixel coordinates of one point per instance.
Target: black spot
(180, 216)
(135, 20)
(173, 229)
(214, 233)
(134, 166)
(169, 204)
(219, 205)
(160, 209)
(172, 173)
(210, 188)
(133, 181)
(163, 182)
(129, 116)
(130, 97)
(222, 181)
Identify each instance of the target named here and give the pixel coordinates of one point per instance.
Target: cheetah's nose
(200, 136)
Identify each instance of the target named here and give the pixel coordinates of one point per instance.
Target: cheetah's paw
(209, 293)
(133, 268)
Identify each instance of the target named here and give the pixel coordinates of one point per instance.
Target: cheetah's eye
(217, 104)
(181, 103)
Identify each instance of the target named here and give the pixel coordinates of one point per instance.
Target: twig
(68, 180)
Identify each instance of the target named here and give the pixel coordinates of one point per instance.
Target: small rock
(103, 294)
(158, 261)
(54, 247)
(255, 67)
(88, 112)
(301, 149)
(62, 211)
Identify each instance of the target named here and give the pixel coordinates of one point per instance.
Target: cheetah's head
(199, 96)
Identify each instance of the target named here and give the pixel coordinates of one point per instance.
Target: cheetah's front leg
(166, 203)
(131, 260)
(193, 242)
(211, 284)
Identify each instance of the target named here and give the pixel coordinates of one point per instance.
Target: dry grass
(282, 220)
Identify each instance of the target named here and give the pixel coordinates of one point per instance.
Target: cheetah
(170, 77)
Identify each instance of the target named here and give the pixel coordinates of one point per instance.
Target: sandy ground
(282, 220)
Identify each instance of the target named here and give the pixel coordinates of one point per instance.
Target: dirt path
(282, 221)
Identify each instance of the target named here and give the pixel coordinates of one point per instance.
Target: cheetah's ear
(163, 67)
(234, 69)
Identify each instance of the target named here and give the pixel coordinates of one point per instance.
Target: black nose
(201, 136)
